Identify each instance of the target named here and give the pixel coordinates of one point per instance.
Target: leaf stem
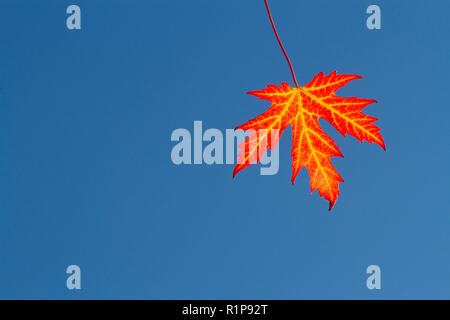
(281, 45)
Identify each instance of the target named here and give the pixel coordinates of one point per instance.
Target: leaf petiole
(281, 45)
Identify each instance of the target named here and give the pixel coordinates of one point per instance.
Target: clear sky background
(86, 176)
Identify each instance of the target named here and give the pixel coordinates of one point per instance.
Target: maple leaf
(301, 107)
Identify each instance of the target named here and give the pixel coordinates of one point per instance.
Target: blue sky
(86, 175)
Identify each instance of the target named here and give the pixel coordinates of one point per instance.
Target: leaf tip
(331, 205)
(382, 144)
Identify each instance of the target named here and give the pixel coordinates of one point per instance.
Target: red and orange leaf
(301, 107)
